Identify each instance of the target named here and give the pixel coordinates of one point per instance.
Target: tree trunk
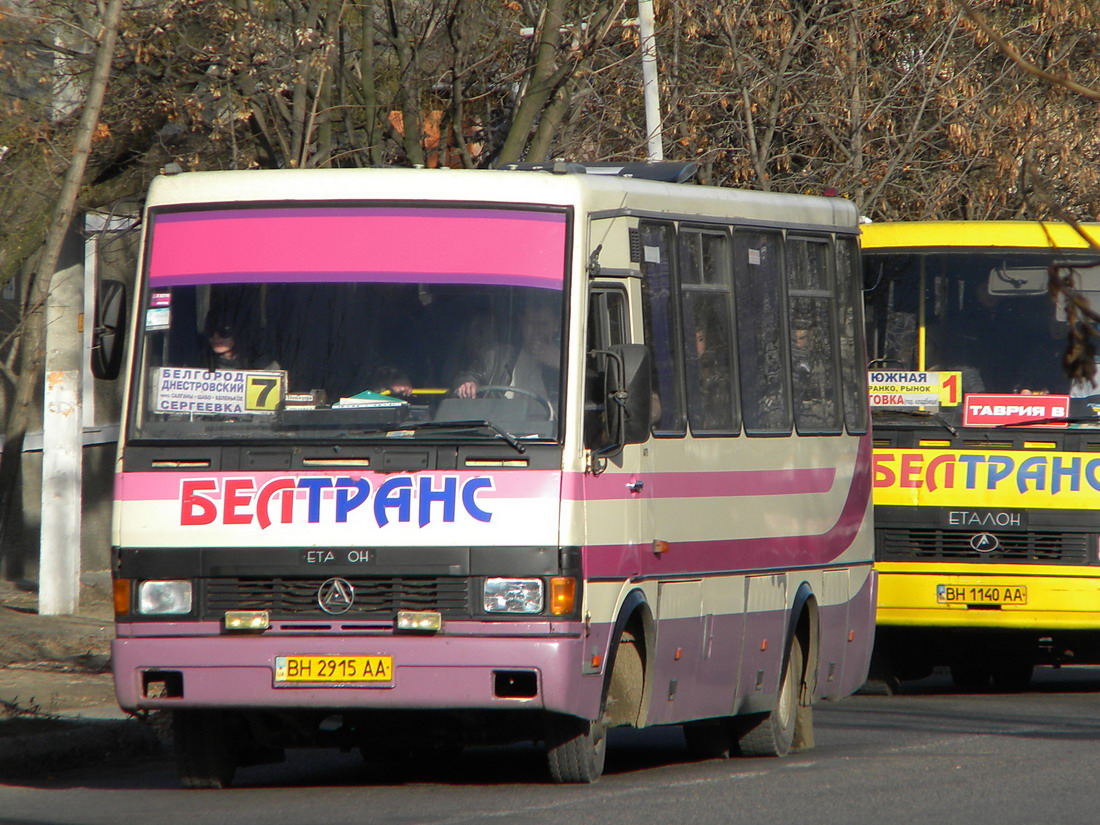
(541, 83)
(373, 118)
(412, 130)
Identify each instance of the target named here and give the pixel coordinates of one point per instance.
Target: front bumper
(1063, 598)
(452, 671)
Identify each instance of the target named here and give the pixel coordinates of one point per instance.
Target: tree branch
(1014, 55)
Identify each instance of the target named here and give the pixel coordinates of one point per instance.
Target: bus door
(609, 326)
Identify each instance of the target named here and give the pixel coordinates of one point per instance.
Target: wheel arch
(804, 622)
(634, 617)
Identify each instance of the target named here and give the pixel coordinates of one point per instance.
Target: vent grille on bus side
(634, 238)
(374, 596)
(922, 544)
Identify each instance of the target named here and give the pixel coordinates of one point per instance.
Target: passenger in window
(1041, 368)
(712, 406)
(532, 366)
(800, 351)
(936, 361)
(478, 338)
(233, 344)
(966, 342)
(815, 393)
(809, 367)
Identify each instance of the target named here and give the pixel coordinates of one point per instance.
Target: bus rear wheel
(772, 734)
(206, 748)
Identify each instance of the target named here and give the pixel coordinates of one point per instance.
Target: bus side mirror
(638, 386)
(627, 397)
(109, 329)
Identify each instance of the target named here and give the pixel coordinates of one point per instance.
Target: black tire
(772, 734)
(882, 685)
(971, 675)
(575, 749)
(1012, 676)
(206, 748)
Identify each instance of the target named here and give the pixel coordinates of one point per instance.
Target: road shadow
(629, 751)
(1045, 679)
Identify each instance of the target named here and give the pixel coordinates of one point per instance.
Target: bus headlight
(164, 598)
(512, 596)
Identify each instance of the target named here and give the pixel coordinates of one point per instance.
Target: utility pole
(650, 90)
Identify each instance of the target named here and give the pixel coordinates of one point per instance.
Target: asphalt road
(931, 755)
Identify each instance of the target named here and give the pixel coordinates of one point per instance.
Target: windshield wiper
(472, 424)
(935, 416)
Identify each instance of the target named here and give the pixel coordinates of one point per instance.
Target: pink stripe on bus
(304, 243)
(154, 486)
(165, 486)
(149, 486)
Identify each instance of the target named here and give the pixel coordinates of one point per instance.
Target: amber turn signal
(121, 590)
(563, 595)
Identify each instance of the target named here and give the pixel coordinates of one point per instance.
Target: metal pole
(649, 80)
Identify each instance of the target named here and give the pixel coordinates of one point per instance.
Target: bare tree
(41, 274)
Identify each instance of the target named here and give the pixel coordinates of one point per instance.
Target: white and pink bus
(418, 459)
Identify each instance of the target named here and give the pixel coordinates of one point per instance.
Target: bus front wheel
(576, 749)
(206, 749)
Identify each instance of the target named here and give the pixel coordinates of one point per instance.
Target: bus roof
(597, 193)
(976, 234)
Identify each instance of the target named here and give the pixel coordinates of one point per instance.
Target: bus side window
(813, 352)
(853, 378)
(707, 325)
(761, 350)
(659, 318)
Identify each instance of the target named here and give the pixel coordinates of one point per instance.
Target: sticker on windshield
(221, 392)
(158, 315)
(906, 388)
(991, 410)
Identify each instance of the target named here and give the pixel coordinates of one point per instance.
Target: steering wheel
(542, 401)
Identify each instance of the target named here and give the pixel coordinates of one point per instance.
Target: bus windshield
(983, 321)
(307, 322)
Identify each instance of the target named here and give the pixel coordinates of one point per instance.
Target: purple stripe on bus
(612, 487)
